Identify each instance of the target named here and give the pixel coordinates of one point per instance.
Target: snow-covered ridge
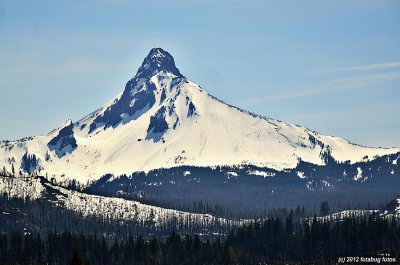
(99, 206)
(338, 216)
(163, 120)
(393, 208)
(346, 214)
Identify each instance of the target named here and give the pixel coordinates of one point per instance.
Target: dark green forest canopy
(271, 241)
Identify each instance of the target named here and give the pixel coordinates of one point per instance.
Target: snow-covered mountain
(163, 120)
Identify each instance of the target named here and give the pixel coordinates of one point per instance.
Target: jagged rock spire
(156, 61)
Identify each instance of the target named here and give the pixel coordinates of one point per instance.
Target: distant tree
(47, 157)
(13, 170)
(324, 209)
(152, 215)
(76, 259)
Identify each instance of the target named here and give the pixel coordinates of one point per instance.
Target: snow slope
(161, 120)
(105, 207)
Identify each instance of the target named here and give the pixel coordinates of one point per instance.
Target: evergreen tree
(324, 209)
(76, 259)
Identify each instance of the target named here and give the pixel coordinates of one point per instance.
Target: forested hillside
(275, 240)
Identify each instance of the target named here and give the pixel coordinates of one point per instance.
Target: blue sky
(332, 66)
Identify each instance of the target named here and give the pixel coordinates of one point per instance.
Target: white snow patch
(301, 175)
(264, 174)
(232, 174)
(359, 174)
(327, 184)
